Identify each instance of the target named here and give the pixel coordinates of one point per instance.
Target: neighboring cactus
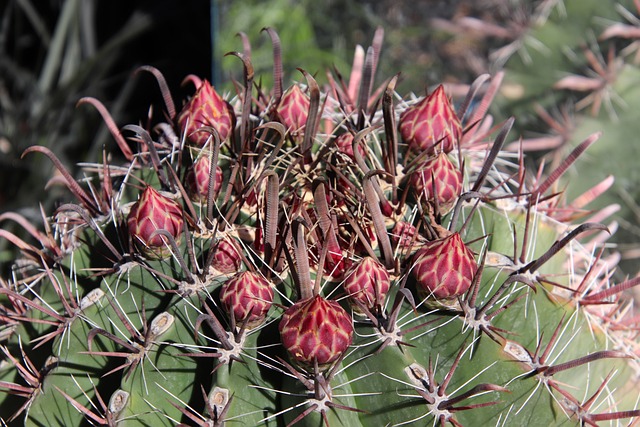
(109, 321)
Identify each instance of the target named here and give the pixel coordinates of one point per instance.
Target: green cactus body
(133, 340)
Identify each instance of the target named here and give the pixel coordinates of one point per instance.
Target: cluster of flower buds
(316, 331)
(432, 130)
(154, 212)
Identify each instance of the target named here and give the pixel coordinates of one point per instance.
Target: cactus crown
(342, 256)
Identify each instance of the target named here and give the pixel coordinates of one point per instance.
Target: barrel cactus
(333, 256)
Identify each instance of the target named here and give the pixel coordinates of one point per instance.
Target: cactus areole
(332, 254)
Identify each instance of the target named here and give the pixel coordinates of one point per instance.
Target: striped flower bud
(367, 283)
(198, 179)
(226, 258)
(316, 330)
(438, 180)
(248, 296)
(152, 212)
(431, 125)
(205, 108)
(293, 109)
(344, 144)
(402, 235)
(444, 268)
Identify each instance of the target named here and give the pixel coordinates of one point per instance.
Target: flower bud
(367, 282)
(152, 212)
(205, 108)
(249, 296)
(293, 109)
(316, 330)
(431, 125)
(198, 179)
(444, 268)
(438, 180)
(226, 259)
(344, 144)
(402, 235)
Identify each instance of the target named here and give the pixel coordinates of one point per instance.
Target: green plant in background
(45, 68)
(307, 255)
(296, 29)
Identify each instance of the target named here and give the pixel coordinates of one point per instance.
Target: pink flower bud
(316, 329)
(205, 108)
(444, 268)
(367, 282)
(153, 212)
(293, 109)
(439, 174)
(226, 259)
(249, 296)
(344, 144)
(431, 125)
(198, 179)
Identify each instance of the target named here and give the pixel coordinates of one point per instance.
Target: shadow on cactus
(316, 256)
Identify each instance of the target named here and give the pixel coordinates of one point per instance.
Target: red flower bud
(402, 235)
(226, 259)
(344, 143)
(316, 329)
(293, 109)
(444, 268)
(431, 124)
(198, 179)
(205, 108)
(153, 212)
(439, 174)
(368, 283)
(249, 296)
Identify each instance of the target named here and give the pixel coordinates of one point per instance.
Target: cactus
(252, 303)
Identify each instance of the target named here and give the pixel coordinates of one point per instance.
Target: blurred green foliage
(320, 35)
(294, 23)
